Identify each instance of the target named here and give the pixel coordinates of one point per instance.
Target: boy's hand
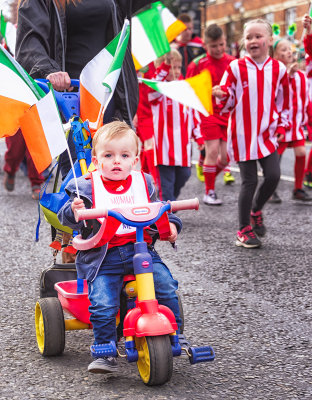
(218, 92)
(292, 68)
(173, 233)
(77, 204)
(201, 147)
(306, 22)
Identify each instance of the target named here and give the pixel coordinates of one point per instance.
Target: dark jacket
(88, 262)
(41, 46)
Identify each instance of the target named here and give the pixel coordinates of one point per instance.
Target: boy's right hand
(77, 204)
(218, 92)
(306, 22)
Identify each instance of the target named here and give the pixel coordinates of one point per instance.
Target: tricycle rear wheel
(50, 326)
(155, 363)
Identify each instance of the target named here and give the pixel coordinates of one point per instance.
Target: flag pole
(304, 31)
(121, 39)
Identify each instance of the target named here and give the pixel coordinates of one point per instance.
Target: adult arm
(33, 39)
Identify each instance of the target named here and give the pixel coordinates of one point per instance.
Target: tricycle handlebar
(138, 213)
(190, 204)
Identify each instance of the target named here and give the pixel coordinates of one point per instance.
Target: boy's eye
(107, 155)
(125, 156)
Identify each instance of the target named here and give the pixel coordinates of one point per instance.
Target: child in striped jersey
(307, 22)
(174, 125)
(255, 91)
(298, 104)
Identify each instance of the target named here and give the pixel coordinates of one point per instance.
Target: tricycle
(150, 331)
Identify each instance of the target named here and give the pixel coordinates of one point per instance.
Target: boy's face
(216, 48)
(175, 70)
(115, 158)
(187, 34)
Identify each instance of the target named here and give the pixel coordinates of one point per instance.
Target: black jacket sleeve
(38, 50)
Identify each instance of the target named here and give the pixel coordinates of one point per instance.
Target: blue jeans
(104, 291)
(172, 180)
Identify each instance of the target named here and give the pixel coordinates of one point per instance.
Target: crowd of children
(261, 107)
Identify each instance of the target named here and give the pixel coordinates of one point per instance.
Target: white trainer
(212, 199)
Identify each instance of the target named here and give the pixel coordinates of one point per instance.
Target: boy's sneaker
(9, 182)
(247, 238)
(212, 199)
(308, 180)
(199, 173)
(103, 365)
(275, 199)
(300, 194)
(228, 178)
(256, 221)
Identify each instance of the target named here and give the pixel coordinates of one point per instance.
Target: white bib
(137, 193)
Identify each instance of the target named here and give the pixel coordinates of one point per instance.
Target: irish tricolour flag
(173, 27)
(8, 32)
(194, 92)
(18, 91)
(152, 30)
(99, 78)
(43, 131)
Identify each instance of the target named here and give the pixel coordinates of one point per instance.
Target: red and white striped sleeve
(228, 85)
(282, 101)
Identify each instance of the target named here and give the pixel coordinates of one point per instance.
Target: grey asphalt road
(253, 306)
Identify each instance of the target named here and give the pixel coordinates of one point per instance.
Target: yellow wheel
(155, 361)
(50, 326)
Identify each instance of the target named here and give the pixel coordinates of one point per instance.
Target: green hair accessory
(292, 29)
(276, 30)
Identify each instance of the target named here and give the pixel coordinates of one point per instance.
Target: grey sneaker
(103, 365)
(212, 199)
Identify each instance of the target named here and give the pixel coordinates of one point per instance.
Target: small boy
(115, 153)
(214, 127)
(174, 125)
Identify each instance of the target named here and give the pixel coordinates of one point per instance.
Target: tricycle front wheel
(50, 326)
(155, 361)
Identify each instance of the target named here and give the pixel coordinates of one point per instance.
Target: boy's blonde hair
(114, 130)
(175, 56)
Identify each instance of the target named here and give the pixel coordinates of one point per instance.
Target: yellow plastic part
(52, 219)
(83, 166)
(143, 363)
(74, 324)
(145, 286)
(131, 289)
(39, 327)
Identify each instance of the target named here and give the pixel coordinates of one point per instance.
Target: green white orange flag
(43, 131)
(18, 91)
(148, 38)
(173, 26)
(99, 78)
(194, 92)
(8, 32)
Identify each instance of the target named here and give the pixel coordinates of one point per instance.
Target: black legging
(248, 170)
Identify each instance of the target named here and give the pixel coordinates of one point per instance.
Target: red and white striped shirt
(298, 104)
(174, 126)
(258, 99)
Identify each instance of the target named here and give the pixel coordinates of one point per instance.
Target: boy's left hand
(173, 233)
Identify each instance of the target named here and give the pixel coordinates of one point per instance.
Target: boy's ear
(95, 161)
(136, 160)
